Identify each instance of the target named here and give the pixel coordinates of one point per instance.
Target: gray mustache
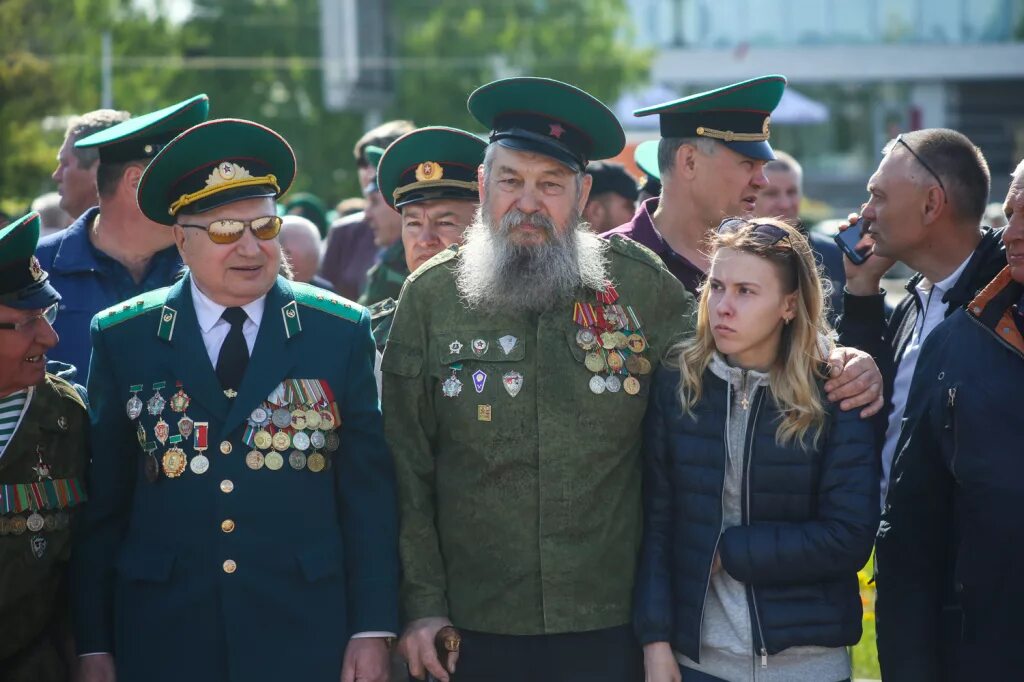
(516, 218)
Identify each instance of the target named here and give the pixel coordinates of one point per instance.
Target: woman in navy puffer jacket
(761, 498)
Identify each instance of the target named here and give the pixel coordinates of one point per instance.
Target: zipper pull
(764, 657)
(952, 396)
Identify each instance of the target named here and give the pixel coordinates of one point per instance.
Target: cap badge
(556, 130)
(429, 170)
(35, 269)
(227, 172)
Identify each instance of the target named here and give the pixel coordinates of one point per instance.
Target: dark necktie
(234, 354)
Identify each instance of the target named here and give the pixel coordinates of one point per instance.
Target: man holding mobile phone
(926, 201)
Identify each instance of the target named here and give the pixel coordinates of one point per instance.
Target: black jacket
(955, 500)
(863, 323)
(808, 522)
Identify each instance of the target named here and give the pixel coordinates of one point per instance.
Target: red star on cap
(556, 130)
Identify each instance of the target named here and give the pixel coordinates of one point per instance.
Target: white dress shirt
(933, 311)
(215, 328)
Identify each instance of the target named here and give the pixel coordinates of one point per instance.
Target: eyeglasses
(229, 230)
(900, 140)
(774, 233)
(49, 314)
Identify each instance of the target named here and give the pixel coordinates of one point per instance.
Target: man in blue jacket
(956, 491)
(242, 522)
(113, 252)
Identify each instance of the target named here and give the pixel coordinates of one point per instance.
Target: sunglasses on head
(768, 234)
(230, 230)
(900, 140)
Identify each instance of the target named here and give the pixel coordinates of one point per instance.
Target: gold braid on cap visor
(424, 184)
(186, 199)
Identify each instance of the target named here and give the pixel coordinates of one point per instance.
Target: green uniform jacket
(385, 279)
(519, 515)
(33, 595)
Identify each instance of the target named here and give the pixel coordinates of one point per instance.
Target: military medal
(636, 343)
(50, 523)
(317, 440)
(312, 419)
(259, 416)
(645, 366)
(38, 545)
(613, 383)
(479, 380)
(631, 385)
(316, 462)
(608, 340)
(333, 441)
(507, 343)
(35, 522)
(281, 418)
(300, 441)
(41, 468)
(161, 430)
(298, 419)
(620, 340)
(281, 441)
(597, 384)
(451, 387)
(633, 364)
(174, 460)
(134, 406)
(586, 339)
(274, 461)
(455, 347)
(594, 361)
(155, 404)
(18, 525)
(262, 439)
(179, 402)
(254, 460)
(185, 426)
(483, 413)
(200, 464)
(615, 361)
(326, 420)
(297, 460)
(479, 347)
(513, 382)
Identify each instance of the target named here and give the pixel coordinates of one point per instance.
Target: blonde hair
(800, 364)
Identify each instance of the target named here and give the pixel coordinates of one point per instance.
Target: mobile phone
(848, 239)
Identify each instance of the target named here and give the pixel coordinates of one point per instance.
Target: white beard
(495, 274)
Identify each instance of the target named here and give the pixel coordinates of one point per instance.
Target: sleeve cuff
(373, 633)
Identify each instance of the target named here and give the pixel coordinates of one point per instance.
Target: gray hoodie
(727, 644)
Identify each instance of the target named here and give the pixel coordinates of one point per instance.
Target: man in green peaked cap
(243, 499)
(429, 176)
(113, 251)
(516, 437)
(43, 451)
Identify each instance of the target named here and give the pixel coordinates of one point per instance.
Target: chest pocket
(599, 410)
(482, 386)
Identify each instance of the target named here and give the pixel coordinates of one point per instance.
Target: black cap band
(692, 124)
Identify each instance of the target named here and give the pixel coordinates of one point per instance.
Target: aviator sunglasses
(772, 234)
(230, 230)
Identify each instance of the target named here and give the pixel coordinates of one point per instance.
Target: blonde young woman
(761, 497)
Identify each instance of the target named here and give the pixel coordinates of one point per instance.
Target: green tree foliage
(450, 47)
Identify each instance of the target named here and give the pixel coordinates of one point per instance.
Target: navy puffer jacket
(809, 519)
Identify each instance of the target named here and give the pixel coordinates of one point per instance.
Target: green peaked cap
(646, 158)
(23, 283)
(142, 137)
(549, 117)
(431, 163)
(215, 163)
(737, 115)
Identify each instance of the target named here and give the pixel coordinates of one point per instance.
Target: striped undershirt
(11, 408)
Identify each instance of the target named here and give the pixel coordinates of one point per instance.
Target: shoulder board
(133, 307)
(382, 308)
(326, 301)
(634, 250)
(66, 390)
(448, 254)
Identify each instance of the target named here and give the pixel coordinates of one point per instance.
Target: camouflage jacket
(519, 487)
(384, 280)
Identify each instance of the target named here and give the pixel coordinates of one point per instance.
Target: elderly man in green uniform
(242, 523)
(385, 278)
(43, 451)
(515, 382)
(429, 175)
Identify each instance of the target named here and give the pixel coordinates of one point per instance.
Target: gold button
(225, 447)
(227, 525)
(230, 566)
(226, 486)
